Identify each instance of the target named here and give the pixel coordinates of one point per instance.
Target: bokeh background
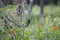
(29, 19)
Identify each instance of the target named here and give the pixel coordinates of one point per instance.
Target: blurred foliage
(50, 30)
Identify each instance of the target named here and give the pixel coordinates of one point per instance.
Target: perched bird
(28, 22)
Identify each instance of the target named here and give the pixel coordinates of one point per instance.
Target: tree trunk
(41, 12)
(42, 7)
(31, 5)
(15, 2)
(1, 4)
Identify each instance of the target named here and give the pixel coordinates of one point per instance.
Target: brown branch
(12, 21)
(7, 19)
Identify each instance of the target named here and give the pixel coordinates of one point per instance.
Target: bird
(28, 22)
